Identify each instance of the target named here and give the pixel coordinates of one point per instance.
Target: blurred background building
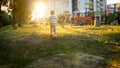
(78, 6)
(113, 7)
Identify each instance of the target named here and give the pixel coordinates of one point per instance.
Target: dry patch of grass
(73, 60)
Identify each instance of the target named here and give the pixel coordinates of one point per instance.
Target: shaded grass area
(22, 46)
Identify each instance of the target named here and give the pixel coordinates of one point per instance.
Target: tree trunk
(14, 22)
(0, 6)
(20, 22)
(0, 9)
(14, 19)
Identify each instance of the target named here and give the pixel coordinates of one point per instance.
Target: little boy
(52, 19)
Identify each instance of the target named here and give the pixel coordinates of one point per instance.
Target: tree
(3, 2)
(21, 9)
(63, 18)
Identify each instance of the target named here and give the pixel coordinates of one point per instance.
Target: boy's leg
(54, 30)
(51, 30)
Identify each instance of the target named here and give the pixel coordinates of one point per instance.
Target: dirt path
(77, 60)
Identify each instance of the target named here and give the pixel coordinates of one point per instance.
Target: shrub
(5, 19)
(111, 17)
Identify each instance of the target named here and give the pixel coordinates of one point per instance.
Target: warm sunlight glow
(39, 10)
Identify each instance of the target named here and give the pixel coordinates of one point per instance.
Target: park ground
(76, 47)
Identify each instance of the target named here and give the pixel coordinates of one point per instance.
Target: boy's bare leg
(51, 31)
(55, 34)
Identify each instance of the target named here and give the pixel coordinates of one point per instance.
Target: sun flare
(39, 10)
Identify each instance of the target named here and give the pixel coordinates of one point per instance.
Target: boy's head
(52, 12)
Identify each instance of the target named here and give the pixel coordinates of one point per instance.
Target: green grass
(22, 46)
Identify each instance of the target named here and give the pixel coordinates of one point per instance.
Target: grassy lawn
(22, 46)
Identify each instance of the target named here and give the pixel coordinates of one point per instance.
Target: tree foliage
(5, 19)
(3, 2)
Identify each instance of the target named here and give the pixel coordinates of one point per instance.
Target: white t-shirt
(52, 19)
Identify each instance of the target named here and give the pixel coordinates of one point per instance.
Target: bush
(63, 18)
(5, 19)
(111, 17)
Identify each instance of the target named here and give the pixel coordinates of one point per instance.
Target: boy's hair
(52, 12)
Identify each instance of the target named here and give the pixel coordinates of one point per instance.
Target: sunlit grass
(24, 45)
